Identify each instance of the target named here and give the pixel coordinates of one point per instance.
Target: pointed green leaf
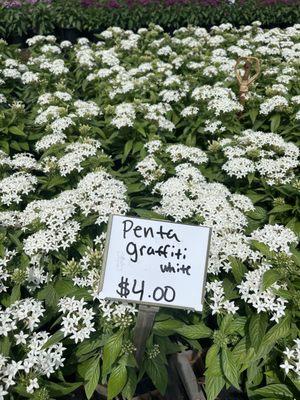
(130, 387)
(195, 331)
(271, 276)
(91, 377)
(117, 381)
(55, 338)
(158, 374)
(277, 390)
(16, 131)
(229, 367)
(166, 327)
(238, 269)
(212, 356)
(257, 328)
(111, 351)
(213, 386)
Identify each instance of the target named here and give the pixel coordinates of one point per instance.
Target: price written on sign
(155, 262)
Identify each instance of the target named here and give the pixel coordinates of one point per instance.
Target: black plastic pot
(17, 39)
(70, 34)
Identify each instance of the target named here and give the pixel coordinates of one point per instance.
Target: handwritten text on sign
(155, 262)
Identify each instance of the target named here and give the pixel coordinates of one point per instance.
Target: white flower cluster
(263, 300)
(180, 152)
(150, 170)
(187, 195)
(120, 314)
(277, 237)
(266, 153)
(13, 187)
(2, 98)
(4, 274)
(86, 109)
(292, 359)
(101, 194)
(76, 153)
(20, 161)
(60, 114)
(157, 113)
(38, 361)
(96, 193)
(219, 99)
(277, 103)
(25, 313)
(219, 304)
(77, 319)
(60, 232)
(125, 115)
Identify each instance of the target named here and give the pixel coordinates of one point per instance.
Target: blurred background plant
(70, 19)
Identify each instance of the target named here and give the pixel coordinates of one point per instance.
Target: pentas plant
(60, 236)
(253, 273)
(148, 124)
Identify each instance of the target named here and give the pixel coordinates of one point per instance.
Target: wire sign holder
(246, 80)
(155, 264)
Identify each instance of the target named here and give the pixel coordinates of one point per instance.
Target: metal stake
(246, 80)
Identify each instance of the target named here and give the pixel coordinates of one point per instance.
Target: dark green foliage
(68, 19)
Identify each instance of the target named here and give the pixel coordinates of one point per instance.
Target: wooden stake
(144, 323)
(187, 376)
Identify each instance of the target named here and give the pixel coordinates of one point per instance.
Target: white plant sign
(155, 262)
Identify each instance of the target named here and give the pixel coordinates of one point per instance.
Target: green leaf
(275, 122)
(91, 377)
(278, 331)
(55, 338)
(16, 131)
(148, 214)
(259, 214)
(167, 327)
(158, 374)
(195, 331)
(263, 248)
(50, 296)
(253, 113)
(213, 386)
(166, 345)
(117, 381)
(130, 387)
(5, 345)
(55, 181)
(212, 355)
(230, 289)
(281, 208)
(238, 269)
(89, 345)
(15, 294)
(61, 389)
(271, 276)
(237, 326)
(64, 287)
(257, 328)
(296, 256)
(277, 390)
(111, 351)
(229, 367)
(226, 322)
(214, 363)
(127, 149)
